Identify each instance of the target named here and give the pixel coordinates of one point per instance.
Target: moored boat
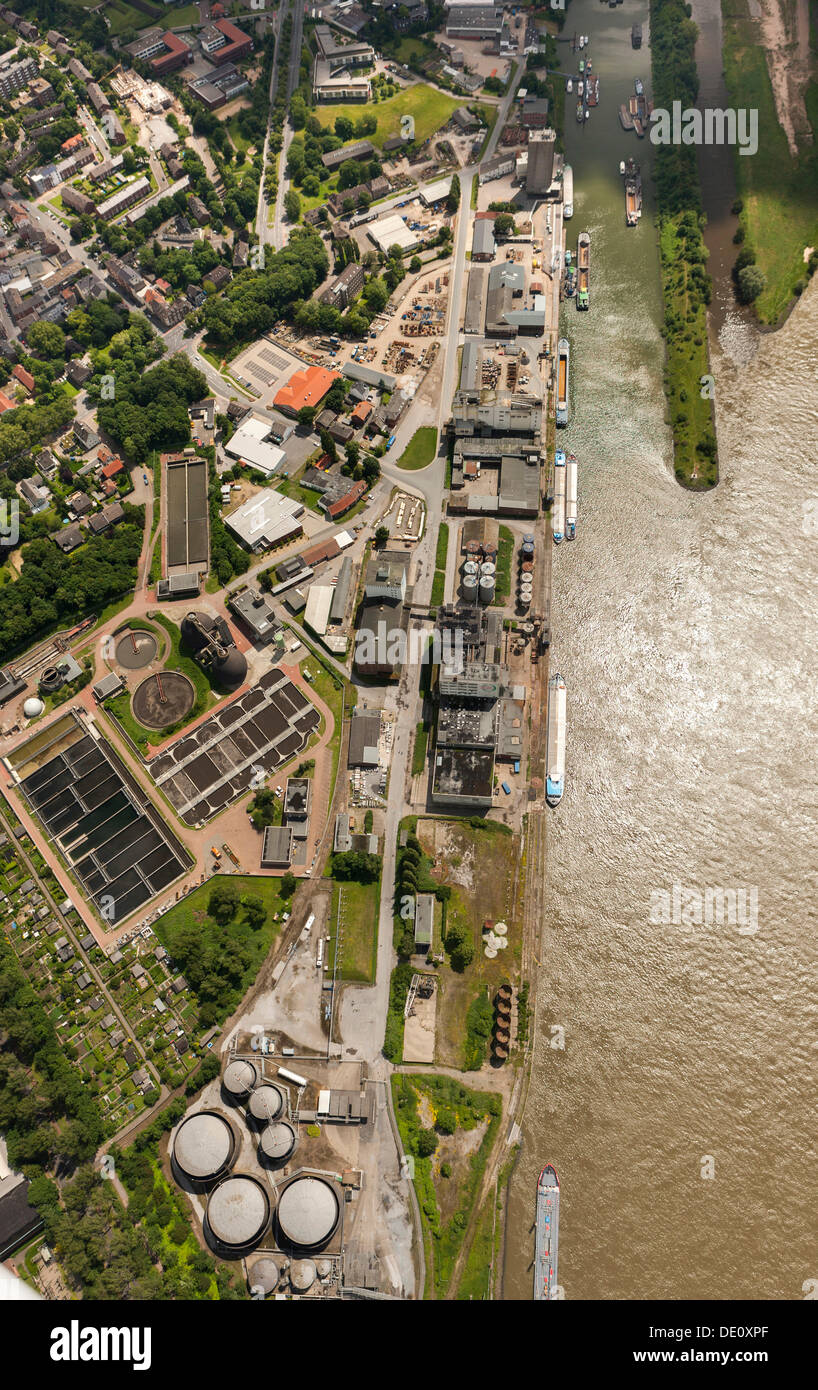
(567, 192)
(584, 270)
(571, 489)
(547, 1228)
(563, 381)
(558, 509)
(555, 766)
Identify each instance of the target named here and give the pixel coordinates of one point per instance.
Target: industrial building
(214, 647)
(266, 520)
(277, 847)
(344, 287)
(475, 22)
(391, 230)
(496, 412)
(364, 737)
(540, 169)
(483, 245)
(257, 613)
(250, 445)
(306, 387)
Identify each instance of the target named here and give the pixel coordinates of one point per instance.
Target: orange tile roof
(5, 403)
(306, 387)
(361, 411)
(111, 469)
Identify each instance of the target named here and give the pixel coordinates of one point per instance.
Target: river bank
(779, 184)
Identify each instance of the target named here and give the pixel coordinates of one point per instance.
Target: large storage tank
(487, 568)
(205, 1147)
(266, 1103)
(263, 1275)
(488, 585)
(238, 1212)
(302, 1275)
(471, 567)
(308, 1212)
(239, 1078)
(527, 550)
(277, 1141)
(470, 586)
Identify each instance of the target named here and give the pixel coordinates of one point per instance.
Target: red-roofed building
(177, 53)
(361, 413)
(71, 143)
(6, 403)
(356, 492)
(111, 469)
(25, 378)
(235, 45)
(306, 387)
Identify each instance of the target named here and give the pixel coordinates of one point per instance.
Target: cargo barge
(571, 481)
(555, 767)
(633, 193)
(558, 509)
(584, 270)
(563, 382)
(547, 1228)
(567, 192)
(636, 36)
(625, 118)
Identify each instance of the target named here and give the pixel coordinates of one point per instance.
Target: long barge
(563, 381)
(555, 767)
(583, 270)
(567, 192)
(571, 489)
(633, 193)
(547, 1228)
(558, 509)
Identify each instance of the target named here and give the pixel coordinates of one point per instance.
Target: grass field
(420, 450)
(780, 214)
(359, 937)
(430, 108)
(687, 362)
(479, 866)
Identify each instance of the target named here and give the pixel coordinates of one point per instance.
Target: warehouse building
(266, 520)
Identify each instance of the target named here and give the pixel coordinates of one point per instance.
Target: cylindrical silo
(204, 1148)
(277, 1141)
(302, 1275)
(266, 1103)
(263, 1275)
(470, 586)
(488, 585)
(487, 568)
(240, 1076)
(471, 567)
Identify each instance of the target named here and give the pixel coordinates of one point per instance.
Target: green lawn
(420, 450)
(221, 960)
(780, 215)
(359, 939)
(430, 108)
(505, 554)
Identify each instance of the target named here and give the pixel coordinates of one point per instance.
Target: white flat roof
(436, 191)
(393, 231)
(319, 603)
(269, 514)
(343, 539)
(247, 444)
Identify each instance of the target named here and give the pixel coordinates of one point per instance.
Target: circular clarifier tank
(308, 1212)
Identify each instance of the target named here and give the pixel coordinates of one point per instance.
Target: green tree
(223, 901)
(751, 282)
(381, 537)
(288, 884)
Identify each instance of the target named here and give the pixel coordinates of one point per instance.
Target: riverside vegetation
(685, 283)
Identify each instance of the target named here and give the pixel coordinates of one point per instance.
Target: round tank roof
(240, 1077)
(323, 1268)
(238, 1210)
(232, 668)
(204, 1145)
(266, 1102)
(33, 707)
(302, 1275)
(308, 1211)
(278, 1140)
(264, 1275)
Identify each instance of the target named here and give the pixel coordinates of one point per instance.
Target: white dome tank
(33, 707)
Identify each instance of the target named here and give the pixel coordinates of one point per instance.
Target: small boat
(589, 65)
(587, 115)
(567, 256)
(579, 110)
(625, 119)
(621, 166)
(637, 87)
(638, 127)
(580, 87)
(581, 65)
(569, 86)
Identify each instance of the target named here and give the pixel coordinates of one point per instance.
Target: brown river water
(686, 627)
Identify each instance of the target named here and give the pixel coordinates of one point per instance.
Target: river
(685, 626)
